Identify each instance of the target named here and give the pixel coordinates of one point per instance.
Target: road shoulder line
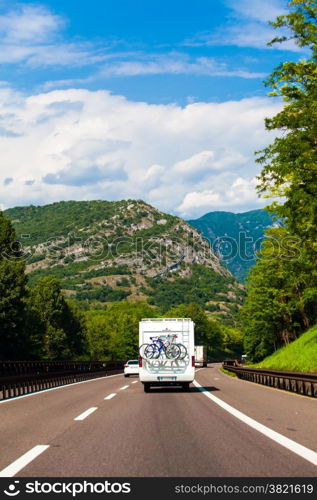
(302, 451)
(55, 388)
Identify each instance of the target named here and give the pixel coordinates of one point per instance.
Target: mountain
(236, 236)
(106, 251)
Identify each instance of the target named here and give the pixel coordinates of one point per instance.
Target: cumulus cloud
(240, 194)
(80, 144)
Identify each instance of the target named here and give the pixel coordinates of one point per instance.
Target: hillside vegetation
(103, 252)
(41, 323)
(300, 355)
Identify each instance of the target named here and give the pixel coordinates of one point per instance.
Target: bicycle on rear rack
(163, 345)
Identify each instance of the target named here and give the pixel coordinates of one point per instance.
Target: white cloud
(203, 163)
(240, 195)
(27, 23)
(247, 26)
(80, 144)
(202, 200)
(260, 10)
(33, 35)
(174, 64)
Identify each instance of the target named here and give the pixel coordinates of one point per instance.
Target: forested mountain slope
(106, 251)
(236, 236)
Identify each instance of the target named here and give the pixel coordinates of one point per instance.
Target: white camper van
(166, 347)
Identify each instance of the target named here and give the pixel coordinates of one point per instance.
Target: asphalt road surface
(110, 428)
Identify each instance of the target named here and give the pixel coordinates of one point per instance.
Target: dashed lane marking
(86, 413)
(23, 461)
(111, 395)
(124, 387)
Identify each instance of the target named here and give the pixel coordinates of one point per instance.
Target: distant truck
(167, 356)
(200, 355)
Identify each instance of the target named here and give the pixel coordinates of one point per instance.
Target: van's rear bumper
(167, 379)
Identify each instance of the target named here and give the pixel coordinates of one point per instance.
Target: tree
(289, 164)
(113, 333)
(59, 327)
(282, 288)
(97, 334)
(7, 239)
(282, 298)
(13, 337)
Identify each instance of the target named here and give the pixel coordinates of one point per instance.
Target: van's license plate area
(168, 379)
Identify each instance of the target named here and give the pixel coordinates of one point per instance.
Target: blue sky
(115, 99)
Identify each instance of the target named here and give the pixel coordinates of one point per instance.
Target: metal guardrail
(300, 383)
(23, 377)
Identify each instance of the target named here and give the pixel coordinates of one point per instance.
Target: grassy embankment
(300, 355)
(226, 372)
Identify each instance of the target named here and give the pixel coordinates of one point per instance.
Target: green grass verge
(226, 372)
(299, 356)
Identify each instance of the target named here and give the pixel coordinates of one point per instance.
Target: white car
(131, 368)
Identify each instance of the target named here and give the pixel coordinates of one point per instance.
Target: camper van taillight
(140, 361)
(193, 360)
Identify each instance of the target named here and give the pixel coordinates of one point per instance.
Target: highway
(110, 428)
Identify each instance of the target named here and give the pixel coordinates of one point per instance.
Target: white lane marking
(86, 413)
(124, 387)
(135, 382)
(59, 387)
(198, 370)
(111, 395)
(302, 451)
(23, 461)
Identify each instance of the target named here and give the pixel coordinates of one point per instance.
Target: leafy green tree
(7, 239)
(113, 333)
(59, 325)
(232, 342)
(98, 334)
(282, 295)
(289, 164)
(13, 337)
(282, 288)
